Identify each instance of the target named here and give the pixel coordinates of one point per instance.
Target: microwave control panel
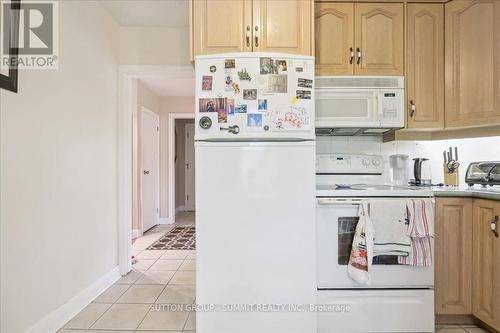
(391, 103)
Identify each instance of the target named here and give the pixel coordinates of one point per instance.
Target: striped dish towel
(420, 230)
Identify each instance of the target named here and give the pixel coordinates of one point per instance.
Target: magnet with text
(303, 94)
(305, 83)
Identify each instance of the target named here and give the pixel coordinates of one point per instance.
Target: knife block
(450, 178)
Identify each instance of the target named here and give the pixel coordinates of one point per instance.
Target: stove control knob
(376, 162)
(365, 162)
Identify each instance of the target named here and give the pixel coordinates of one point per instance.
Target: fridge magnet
(244, 76)
(266, 66)
(230, 106)
(230, 63)
(299, 69)
(228, 83)
(206, 83)
(262, 104)
(213, 69)
(294, 100)
(277, 83)
(305, 83)
(250, 94)
(222, 116)
(205, 122)
(212, 104)
(254, 120)
(236, 87)
(242, 108)
(303, 94)
(282, 67)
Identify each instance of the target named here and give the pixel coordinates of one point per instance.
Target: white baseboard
(55, 320)
(135, 233)
(165, 220)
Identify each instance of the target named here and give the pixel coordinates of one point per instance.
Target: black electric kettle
(421, 172)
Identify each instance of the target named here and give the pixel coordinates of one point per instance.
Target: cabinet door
(425, 65)
(453, 256)
(378, 29)
(472, 58)
(220, 26)
(282, 26)
(486, 253)
(334, 40)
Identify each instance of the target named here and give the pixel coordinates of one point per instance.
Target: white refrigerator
(255, 193)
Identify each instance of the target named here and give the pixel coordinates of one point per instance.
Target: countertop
(466, 191)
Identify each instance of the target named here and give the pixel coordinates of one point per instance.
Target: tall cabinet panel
(472, 36)
(453, 265)
(425, 65)
(378, 29)
(334, 24)
(486, 258)
(282, 26)
(221, 26)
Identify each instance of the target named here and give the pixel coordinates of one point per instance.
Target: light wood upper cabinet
(374, 31)
(425, 66)
(282, 26)
(472, 58)
(221, 26)
(334, 24)
(378, 30)
(453, 256)
(486, 258)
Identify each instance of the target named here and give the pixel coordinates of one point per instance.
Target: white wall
(154, 46)
(475, 149)
(58, 171)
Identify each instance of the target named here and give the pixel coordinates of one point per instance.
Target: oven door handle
(336, 202)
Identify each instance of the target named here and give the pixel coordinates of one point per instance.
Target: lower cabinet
(486, 262)
(453, 259)
(467, 258)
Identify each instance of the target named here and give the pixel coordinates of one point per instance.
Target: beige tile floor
(158, 277)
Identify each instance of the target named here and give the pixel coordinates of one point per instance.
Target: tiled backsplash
(469, 150)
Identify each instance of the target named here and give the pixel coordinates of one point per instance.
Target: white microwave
(359, 105)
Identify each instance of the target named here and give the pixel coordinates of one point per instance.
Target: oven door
(336, 220)
(347, 108)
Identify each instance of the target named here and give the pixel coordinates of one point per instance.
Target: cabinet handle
(413, 108)
(248, 35)
(351, 52)
(256, 36)
(494, 226)
(358, 50)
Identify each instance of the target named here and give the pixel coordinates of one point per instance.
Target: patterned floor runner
(179, 238)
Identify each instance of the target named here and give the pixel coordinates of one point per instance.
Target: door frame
(127, 102)
(186, 148)
(171, 160)
(157, 169)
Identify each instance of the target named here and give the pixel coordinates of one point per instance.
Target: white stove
(400, 298)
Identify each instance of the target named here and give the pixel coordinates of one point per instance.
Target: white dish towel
(391, 227)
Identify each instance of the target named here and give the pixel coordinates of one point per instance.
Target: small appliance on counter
(450, 167)
(483, 173)
(400, 165)
(421, 172)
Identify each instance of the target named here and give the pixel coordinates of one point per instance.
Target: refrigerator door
(255, 235)
(254, 96)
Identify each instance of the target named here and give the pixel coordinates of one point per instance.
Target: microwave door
(346, 108)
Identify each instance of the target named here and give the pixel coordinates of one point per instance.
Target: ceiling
(162, 86)
(149, 13)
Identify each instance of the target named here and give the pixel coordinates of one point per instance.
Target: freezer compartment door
(255, 235)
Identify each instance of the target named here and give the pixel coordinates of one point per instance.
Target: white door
(149, 137)
(189, 168)
(255, 234)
